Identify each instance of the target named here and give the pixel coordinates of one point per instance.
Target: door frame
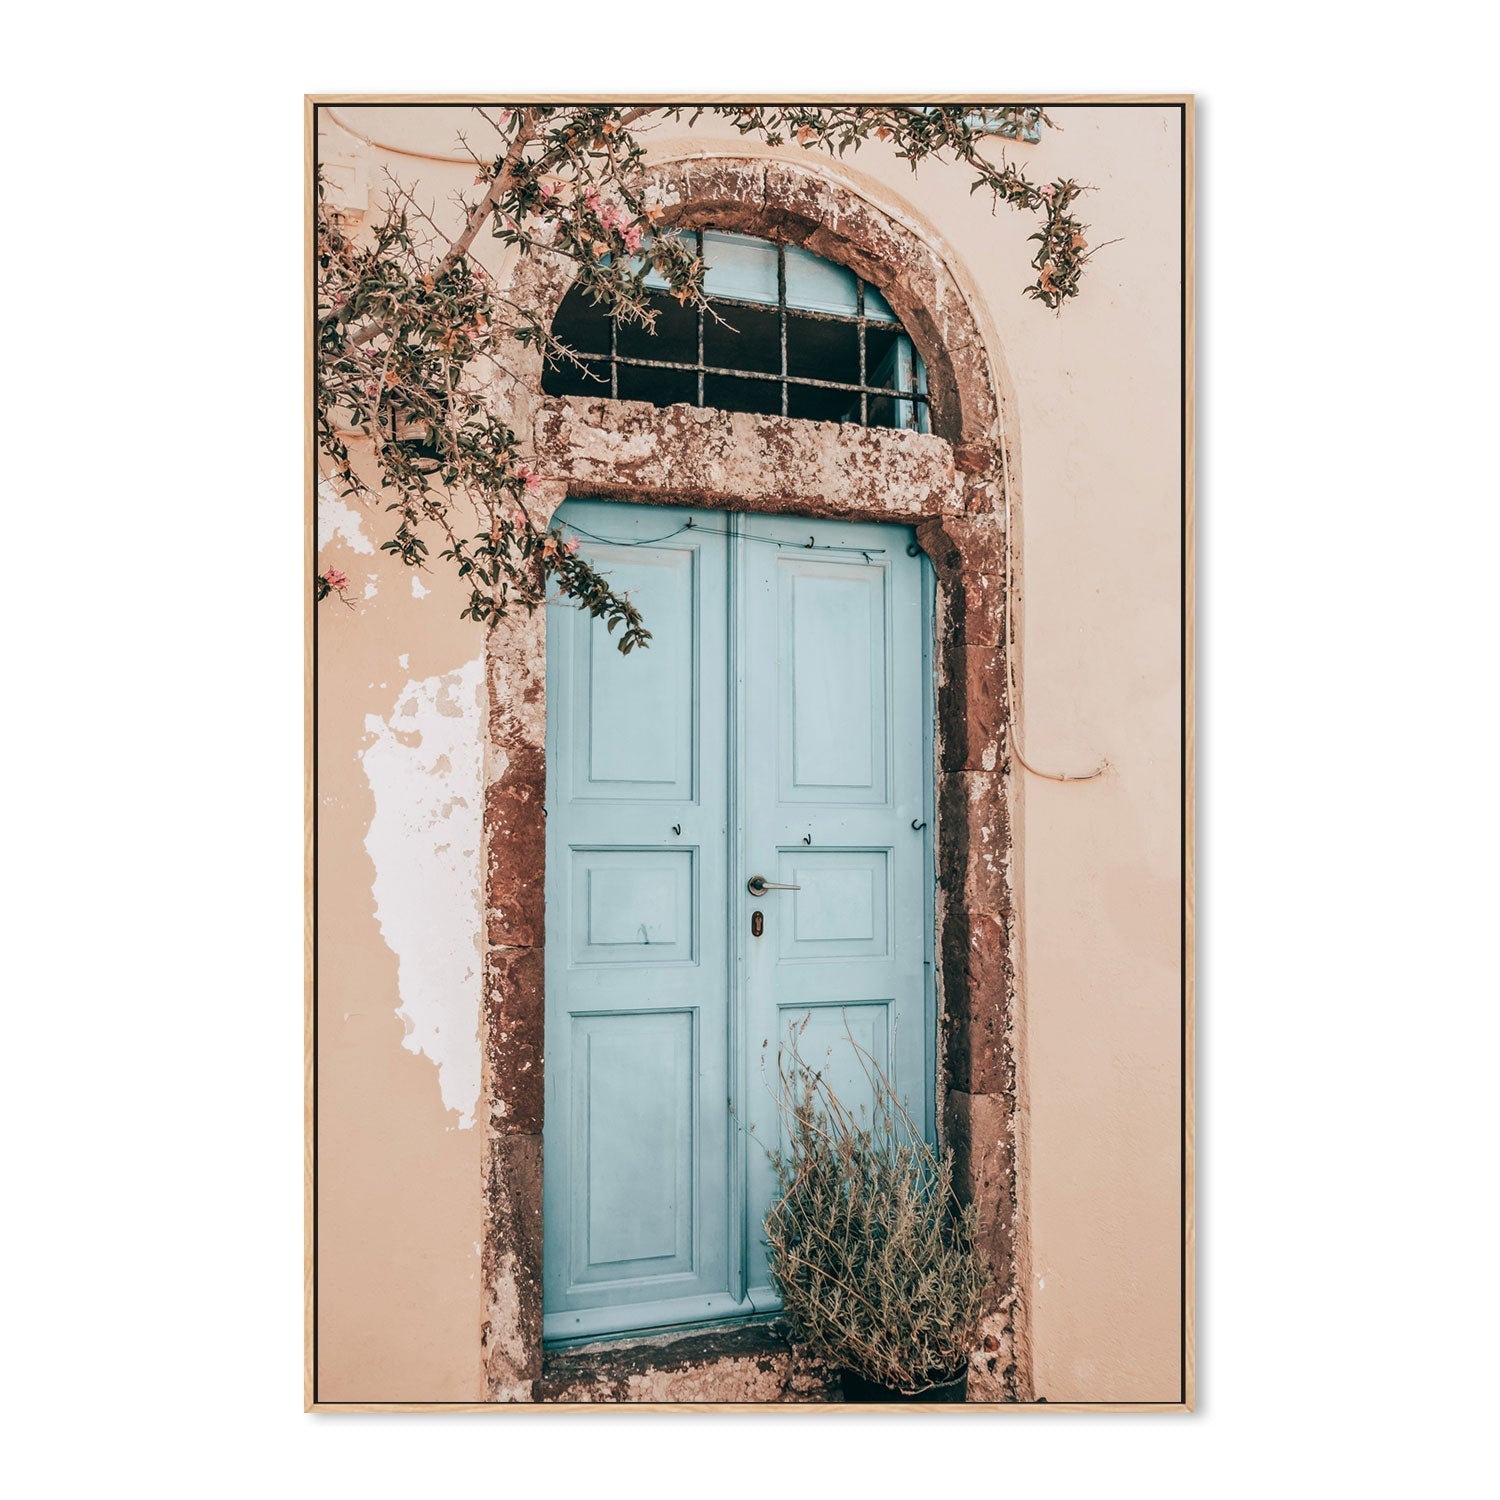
(907, 591)
(956, 489)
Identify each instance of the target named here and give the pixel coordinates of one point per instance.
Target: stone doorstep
(746, 1362)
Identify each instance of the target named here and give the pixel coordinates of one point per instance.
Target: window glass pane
(566, 379)
(739, 267)
(745, 339)
(894, 370)
(730, 394)
(676, 336)
(814, 404)
(659, 387)
(880, 355)
(920, 418)
(876, 306)
(654, 279)
(822, 350)
(818, 284)
(581, 325)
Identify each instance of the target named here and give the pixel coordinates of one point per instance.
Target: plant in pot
(871, 1251)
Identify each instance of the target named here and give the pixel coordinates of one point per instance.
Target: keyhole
(757, 923)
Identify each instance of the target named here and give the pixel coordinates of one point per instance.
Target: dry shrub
(870, 1249)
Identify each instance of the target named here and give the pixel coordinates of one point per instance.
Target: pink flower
(548, 189)
(504, 116)
(632, 237)
(336, 580)
(572, 545)
(518, 519)
(529, 477)
(591, 201)
(611, 217)
(1049, 192)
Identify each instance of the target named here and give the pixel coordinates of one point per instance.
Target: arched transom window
(784, 333)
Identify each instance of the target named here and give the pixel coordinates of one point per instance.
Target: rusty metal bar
(783, 378)
(859, 307)
(826, 385)
(808, 312)
(702, 317)
(781, 316)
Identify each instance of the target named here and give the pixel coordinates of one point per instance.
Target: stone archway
(952, 487)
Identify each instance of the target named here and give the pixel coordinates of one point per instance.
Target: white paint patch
(370, 585)
(424, 767)
(337, 519)
(417, 591)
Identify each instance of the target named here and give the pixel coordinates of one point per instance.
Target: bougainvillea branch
(412, 334)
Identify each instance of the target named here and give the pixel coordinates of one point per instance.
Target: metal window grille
(910, 397)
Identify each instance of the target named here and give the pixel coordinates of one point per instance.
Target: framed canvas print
(750, 752)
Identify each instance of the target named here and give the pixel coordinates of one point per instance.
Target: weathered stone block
(515, 850)
(971, 709)
(516, 656)
(997, 1368)
(511, 1329)
(703, 456)
(977, 979)
(968, 554)
(975, 612)
(515, 1008)
(974, 841)
(979, 1129)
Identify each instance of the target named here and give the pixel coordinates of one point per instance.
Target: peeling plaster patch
(370, 588)
(404, 661)
(336, 519)
(424, 766)
(417, 591)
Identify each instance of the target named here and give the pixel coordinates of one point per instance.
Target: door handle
(758, 885)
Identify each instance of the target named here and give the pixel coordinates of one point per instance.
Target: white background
(153, 602)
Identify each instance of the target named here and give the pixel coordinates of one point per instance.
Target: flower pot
(857, 1389)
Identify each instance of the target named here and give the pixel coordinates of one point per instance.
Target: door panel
(824, 1042)
(633, 906)
(831, 624)
(633, 1078)
(637, 1145)
(625, 753)
(835, 777)
(841, 908)
(776, 726)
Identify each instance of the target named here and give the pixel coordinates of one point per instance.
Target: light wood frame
(1185, 102)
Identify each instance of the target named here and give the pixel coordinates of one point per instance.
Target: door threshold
(750, 1360)
(656, 1337)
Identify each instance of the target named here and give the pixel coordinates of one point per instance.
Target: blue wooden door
(778, 726)
(835, 780)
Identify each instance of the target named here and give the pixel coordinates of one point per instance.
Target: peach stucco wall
(1094, 396)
